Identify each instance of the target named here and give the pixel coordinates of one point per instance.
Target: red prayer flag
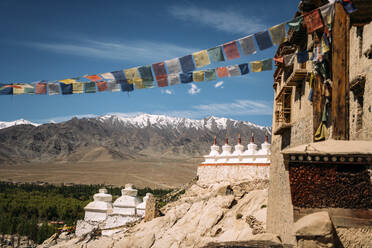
(159, 70)
(313, 21)
(94, 77)
(231, 50)
(222, 72)
(101, 86)
(162, 81)
(279, 60)
(40, 88)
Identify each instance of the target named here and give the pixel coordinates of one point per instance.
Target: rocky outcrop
(201, 216)
(10, 241)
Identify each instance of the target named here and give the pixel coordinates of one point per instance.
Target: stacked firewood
(330, 186)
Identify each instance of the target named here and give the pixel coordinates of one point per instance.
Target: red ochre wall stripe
(235, 164)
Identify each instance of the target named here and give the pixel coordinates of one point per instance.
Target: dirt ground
(154, 173)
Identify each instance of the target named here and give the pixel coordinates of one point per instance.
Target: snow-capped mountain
(5, 124)
(121, 137)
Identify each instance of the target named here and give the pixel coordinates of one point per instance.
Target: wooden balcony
(297, 76)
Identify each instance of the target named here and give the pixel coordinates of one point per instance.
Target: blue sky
(52, 40)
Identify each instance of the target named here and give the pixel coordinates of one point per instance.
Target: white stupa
(215, 152)
(100, 208)
(141, 208)
(126, 204)
(226, 151)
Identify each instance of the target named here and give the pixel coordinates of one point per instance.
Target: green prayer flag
(295, 24)
(90, 87)
(267, 64)
(216, 54)
(210, 74)
(148, 84)
(146, 73)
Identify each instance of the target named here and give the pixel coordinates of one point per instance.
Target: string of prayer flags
(198, 76)
(210, 74)
(101, 86)
(231, 50)
(53, 89)
(222, 72)
(247, 45)
(278, 33)
(186, 77)
(173, 66)
(313, 21)
(131, 74)
(267, 64)
(216, 54)
(263, 40)
(66, 88)
(302, 57)
(233, 70)
(174, 79)
(90, 87)
(201, 58)
(244, 69)
(296, 23)
(115, 87)
(256, 66)
(108, 76)
(78, 88)
(41, 88)
(187, 64)
(94, 77)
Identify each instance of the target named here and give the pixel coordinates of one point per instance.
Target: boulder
(317, 224)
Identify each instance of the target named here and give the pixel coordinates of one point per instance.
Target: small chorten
(266, 145)
(226, 149)
(252, 147)
(126, 204)
(141, 208)
(215, 149)
(99, 209)
(239, 148)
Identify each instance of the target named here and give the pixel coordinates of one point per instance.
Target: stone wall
(361, 65)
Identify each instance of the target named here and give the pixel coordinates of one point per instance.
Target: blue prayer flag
(6, 89)
(263, 40)
(302, 57)
(244, 69)
(186, 77)
(66, 88)
(187, 64)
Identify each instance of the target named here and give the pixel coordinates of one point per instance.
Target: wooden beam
(340, 74)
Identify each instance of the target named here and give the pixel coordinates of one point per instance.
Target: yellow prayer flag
(78, 88)
(325, 48)
(18, 89)
(198, 76)
(278, 33)
(256, 66)
(68, 81)
(131, 74)
(201, 58)
(138, 82)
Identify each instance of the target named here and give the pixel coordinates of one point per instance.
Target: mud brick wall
(329, 185)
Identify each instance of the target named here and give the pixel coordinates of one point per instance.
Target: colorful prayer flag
(216, 54)
(78, 88)
(231, 50)
(6, 89)
(108, 76)
(247, 45)
(148, 84)
(114, 87)
(41, 88)
(348, 6)
(124, 85)
(267, 64)
(279, 60)
(325, 44)
(313, 21)
(302, 57)
(210, 75)
(327, 12)
(138, 82)
(53, 89)
(101, 86)
(90, 87)
(131, 74)
(146, 73)
(18, 89)
(29, 88)
(233, 70)
(201, 58)
(162, 81)
(173, 66)
(67, 81)
(66, 88)
(222, 72)
(159, 70)
(174, 79)
(244, 68)
(198, 76)
(256, 66)
(119, 76)
(296, 23)
(187, 64)
(122, 82)
(186, 77)
(277, 33)
(263, 40)
(94, 78)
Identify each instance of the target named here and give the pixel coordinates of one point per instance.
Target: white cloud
(223, 20)
(194, 89)
(218, 84)
(137, 51)
(167, 91)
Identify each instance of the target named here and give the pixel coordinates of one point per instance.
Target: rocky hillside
(113, 137)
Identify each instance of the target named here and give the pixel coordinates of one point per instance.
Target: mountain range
(113, 137)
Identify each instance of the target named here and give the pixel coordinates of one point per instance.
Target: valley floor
(153, 173)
